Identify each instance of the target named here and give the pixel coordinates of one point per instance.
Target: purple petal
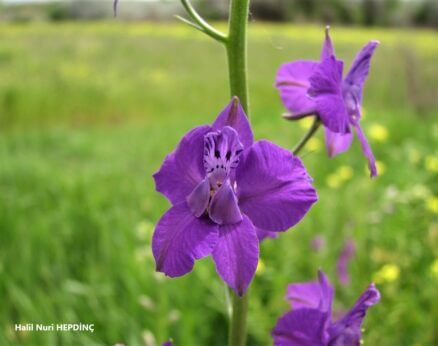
(236, 254)
(360, 68)
(314, 295)
(347, 253)
(337, 143)
(233, 115)
(273, 187)
(354, 81)
(183, 169)
(326, 89)
(303, 327)
(180, 238)
(293, 82)
(263, 234)
(327, 48)
(304, 295)
(327, 292)
(223, 208)
(347, 331)
(198, 199)
(366, 149)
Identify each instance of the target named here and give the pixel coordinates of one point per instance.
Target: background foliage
(89, 110)
(422, 13)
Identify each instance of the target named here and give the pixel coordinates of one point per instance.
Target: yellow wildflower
(388, 273)
(260, 267)
(431, 163)
(314, 144)
(381, 168)
(434, 268)
(306, 123)
(432, 204)
(333, 181)
(345, 172)
(378, 132)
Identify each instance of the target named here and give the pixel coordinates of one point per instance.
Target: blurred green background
(88, 111)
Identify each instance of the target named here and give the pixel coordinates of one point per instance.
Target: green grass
(88, 111)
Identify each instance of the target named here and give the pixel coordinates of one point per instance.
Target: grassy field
(89, 110)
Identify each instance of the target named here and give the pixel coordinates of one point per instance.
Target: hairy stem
(301, 144)
(238, 74)
(237, 335)
(237, 51)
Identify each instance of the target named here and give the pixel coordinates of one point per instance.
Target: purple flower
(317, 243)
(312, 87)
(224, 189)
(310, 321)
(347, 253)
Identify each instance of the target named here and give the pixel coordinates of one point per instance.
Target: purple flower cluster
(317, 87)
(226, 191)
(310, 322)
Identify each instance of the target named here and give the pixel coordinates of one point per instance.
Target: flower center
(221, 155)
(216, 194)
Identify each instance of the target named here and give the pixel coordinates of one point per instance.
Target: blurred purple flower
(311, 321)
(225, 189)
(317, 243)
(347, 253)
(312, 87)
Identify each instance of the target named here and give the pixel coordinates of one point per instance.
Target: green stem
(237, 51)
(238, 74)
(200, 23)
(307, 136)
(237, 336)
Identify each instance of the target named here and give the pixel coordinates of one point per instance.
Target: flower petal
(293, 82)
(233, 115)
(314, 295)
(223, 207)
(326, 89)
(180, 238)
(360, 68)
(263, 234)
(301, 327)
(273, 187)
(337, 143)
(183, 169)
(198, 199)
(236, 254)
(367, 151)
(347, 331)
(304, 295)
(327, 47)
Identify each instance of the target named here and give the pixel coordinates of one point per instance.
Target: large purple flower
(224, 189)
(312, 87)
(310, 322)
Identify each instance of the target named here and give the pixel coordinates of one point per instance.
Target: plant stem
(238, 75)
(237, 51)
(237, 334)
(307, 136)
